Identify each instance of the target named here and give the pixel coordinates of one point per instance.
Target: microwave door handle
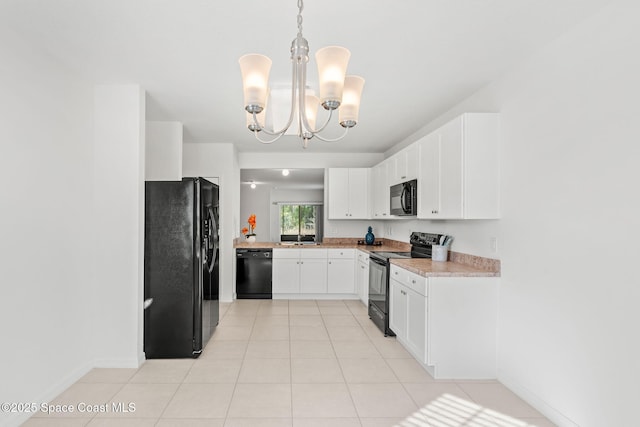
(404, 191)
(413, 197)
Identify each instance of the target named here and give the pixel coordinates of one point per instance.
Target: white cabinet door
(313, 276)
(404, 165)
(338, 193)
(416, 324)
(429, 181)
(398, 168)
(397, 308)
(460, 169)
(286, 276)
(362, 281)
(358, 193)
(451, 162)
(412, 154)
(348, 193)
(341, 276)
(381, 190)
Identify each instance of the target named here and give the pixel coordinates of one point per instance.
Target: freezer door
(169, 275)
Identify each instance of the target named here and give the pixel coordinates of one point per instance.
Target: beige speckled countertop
(428, 268)
(332, 243)
(459, 264)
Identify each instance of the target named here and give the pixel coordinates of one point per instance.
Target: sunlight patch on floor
(451, 411)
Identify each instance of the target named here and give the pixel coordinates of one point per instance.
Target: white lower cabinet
(296, 271)
(285, 276)
(408, 312)
(362, 276)
(341, 271)
(447, 323)
(313, 273)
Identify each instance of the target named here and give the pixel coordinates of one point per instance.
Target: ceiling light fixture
(337, 91)
(285, 172)
(253, 185)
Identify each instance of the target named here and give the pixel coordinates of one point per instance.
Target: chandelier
(337, 90)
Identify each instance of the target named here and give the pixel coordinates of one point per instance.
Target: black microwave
(404, 199)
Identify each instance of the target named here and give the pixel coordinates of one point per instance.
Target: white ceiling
(419, 57)
(298, 179)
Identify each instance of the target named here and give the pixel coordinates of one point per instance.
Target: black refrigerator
(181, 274)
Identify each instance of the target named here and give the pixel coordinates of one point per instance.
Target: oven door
(378, 284)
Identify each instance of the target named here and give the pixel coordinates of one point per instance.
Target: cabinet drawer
(363, 256)
(313, 253)
(411, 280)
(340, 253)
(417, 283)
(286, 253)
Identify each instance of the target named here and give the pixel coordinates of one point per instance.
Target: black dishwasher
(253, 273)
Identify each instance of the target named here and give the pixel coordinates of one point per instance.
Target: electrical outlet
(334, 231)
(390, 231)
(493, 243)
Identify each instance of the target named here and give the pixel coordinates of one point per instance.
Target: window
(299, 222)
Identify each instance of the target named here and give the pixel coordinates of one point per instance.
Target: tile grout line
(244, 356)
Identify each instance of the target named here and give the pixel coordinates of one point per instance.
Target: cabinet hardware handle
(403, 177)
(413, 281)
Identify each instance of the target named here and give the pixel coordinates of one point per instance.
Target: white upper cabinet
(349, 193)
(404, 165)
(460, 170)
(380, 179)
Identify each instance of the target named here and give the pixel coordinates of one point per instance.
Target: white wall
(220, 160)
(332, 228)
(46, 231)
(163, 151)
(118, 197)
(568, 321)
(261, 201)
(256, 201)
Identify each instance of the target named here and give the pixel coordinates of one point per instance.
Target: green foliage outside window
(298, 220)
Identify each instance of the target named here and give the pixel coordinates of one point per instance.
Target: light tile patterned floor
(292, 364)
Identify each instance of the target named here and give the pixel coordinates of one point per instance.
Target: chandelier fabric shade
(338, 91)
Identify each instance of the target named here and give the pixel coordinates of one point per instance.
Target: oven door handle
(377, 261)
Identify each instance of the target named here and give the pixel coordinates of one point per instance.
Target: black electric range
(379, 266)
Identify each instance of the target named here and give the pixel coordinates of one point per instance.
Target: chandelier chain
(300, 7)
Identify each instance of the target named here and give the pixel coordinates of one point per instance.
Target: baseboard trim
(537, 402)
(118, 363)
(50, 394)
(316, 296)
